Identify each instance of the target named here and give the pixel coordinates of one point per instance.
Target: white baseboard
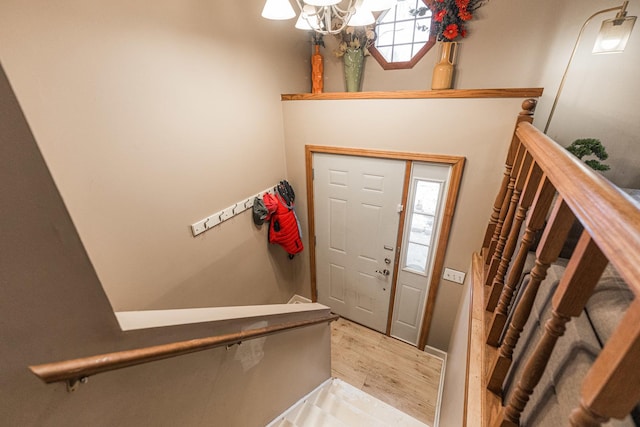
(436, 352)
(443, 356)
(298, 299)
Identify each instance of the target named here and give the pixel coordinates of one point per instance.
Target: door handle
(384, 272)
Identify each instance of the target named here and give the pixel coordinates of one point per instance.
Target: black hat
(260, 212)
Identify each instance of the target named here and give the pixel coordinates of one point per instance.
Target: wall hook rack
(221, 216)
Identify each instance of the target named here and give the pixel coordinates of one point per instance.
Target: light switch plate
(453, 275)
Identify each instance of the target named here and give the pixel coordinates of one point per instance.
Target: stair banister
(75, 370)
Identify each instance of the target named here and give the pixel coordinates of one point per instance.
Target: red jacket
(284, 228)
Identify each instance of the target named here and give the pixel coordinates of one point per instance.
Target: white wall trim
(131, 320)
(443, 356)
(299, 299)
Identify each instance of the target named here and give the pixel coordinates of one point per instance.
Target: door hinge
(313, 174)
(315, 241)
(400, 208)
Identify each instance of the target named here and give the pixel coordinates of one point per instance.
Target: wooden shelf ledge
(535, 92)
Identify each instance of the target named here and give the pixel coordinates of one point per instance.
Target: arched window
(403, 35)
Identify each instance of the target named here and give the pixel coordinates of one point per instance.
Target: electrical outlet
(453, 275)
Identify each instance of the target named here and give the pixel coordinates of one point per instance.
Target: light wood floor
(388, 369)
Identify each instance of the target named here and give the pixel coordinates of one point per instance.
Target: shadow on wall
(242, 275)
(618, 132)
(171, 112)
(54, 308)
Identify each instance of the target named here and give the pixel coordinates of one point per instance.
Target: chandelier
(327, 16)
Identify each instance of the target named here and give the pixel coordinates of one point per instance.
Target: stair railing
(78, 370)
(543, 183)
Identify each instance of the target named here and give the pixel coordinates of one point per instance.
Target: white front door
(357, 210)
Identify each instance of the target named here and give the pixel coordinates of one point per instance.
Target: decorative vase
(317, 70)
(353, 61)
(443, 71)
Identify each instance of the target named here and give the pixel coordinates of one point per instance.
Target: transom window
(403, 37)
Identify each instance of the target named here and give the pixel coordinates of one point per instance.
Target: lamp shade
(308, 19)
(278, 10)
(302, 23)
(378, 5)
(614, 34)
(321, 2)
(361, 18)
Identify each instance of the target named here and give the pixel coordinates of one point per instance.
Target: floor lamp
(612, 38)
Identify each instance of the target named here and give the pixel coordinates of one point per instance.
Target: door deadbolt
(387, 261)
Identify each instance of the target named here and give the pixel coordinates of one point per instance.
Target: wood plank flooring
(388, 369)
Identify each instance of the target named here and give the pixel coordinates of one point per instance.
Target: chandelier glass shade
(326, 16)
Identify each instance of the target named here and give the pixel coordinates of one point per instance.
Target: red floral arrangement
(450, 17)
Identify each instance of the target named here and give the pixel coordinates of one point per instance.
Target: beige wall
(53, 308)
(452, 407)
(478, 129)
(152, 116)
(515, 43)
(600, 97)
(520, 43)
(502, 50)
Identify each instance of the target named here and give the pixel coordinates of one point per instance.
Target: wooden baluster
(585, 418)
(575, 288)
(504, 208)
(526, 115)
(502, 254)
(610, 389)
(544, 197)
(495, 214)
(550, 246)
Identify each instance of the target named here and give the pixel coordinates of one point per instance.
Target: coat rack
(227, 213)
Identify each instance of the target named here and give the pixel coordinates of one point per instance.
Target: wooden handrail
(611, 223)
(73, 370)
(612, 220)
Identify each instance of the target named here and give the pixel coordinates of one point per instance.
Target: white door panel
(356, 217)
(427, 189)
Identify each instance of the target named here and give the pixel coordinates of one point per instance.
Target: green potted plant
(588, 147)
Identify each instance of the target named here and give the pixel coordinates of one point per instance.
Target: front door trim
(457, 166)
